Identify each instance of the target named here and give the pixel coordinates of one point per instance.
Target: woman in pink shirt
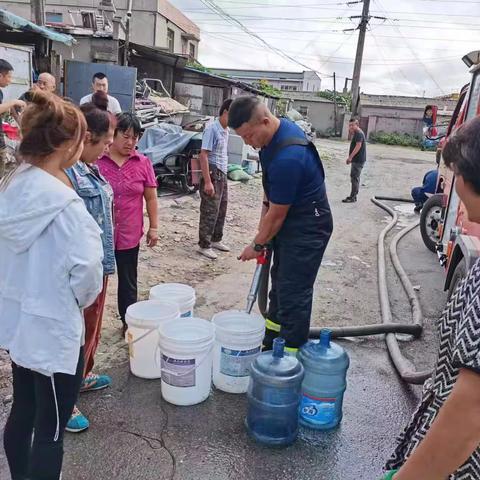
(132, 178)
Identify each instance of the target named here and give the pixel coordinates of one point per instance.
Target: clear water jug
(326, 365)
(274, 395)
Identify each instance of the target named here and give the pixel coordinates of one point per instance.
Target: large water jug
(274, 395)
(326, 365)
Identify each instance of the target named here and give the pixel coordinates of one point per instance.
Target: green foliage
(342, 98)
(198, 66)
(402, 139)
(265, 87)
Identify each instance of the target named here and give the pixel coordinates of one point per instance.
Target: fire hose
(403, 366)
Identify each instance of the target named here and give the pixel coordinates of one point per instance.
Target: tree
(342, 98)
(265, 87)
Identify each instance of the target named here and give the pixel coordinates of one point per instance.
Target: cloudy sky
(417, 50)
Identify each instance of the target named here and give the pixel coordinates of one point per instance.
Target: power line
(432, 77)
(232, 20)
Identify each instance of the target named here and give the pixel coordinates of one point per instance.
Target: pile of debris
(154, 106)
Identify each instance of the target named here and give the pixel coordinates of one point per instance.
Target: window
(303, 110)
(474, 100)
(170, 40)
(184, 46)
(54, 17)
(88, 20)
(192, 50)
(288, 88)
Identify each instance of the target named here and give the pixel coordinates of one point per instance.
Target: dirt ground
(346, 291)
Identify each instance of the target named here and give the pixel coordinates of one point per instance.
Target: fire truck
(444, 221)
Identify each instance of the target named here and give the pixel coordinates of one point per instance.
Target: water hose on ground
(405, 369)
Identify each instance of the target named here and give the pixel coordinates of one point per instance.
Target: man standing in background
(6, 74)
(357, 158)
(100, 83)
(213, 187)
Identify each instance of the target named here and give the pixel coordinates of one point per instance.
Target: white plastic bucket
(182, 295)
(143, 319)
(238, 341)
(186, 348)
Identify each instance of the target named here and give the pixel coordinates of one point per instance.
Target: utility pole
(345, 87)
(127, 29)
(37, 8)
(364, 19)
(335, 114)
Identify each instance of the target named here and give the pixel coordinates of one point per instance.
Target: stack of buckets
(167, 341)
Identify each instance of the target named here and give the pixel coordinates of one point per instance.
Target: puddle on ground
(405, 209)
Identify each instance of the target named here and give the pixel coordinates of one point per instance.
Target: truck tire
(430, 220)
(458, 275)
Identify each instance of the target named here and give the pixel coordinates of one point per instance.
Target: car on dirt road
(444, 222)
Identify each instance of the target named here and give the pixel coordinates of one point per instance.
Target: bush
(402, 139)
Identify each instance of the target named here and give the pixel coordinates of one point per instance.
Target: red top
(128, 183)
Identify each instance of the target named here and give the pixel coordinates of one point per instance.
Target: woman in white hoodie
(51, 263)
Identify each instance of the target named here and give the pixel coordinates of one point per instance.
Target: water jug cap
(278, 347)
(325, 337)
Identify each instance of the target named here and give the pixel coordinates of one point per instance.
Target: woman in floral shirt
(442, 440)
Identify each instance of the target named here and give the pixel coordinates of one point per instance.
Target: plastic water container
(143, 319)
(326, 365)
(238, 342)
(274, 396)
(186, 348)
(182, 295)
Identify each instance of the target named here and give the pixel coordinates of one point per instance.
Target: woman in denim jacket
(97, 195)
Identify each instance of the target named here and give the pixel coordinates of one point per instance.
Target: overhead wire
(234, 21)
(427, 71)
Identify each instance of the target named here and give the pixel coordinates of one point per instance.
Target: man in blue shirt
(296, 217)
(213, 186)
(429, 186)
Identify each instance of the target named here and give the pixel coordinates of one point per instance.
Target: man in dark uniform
(296, 216)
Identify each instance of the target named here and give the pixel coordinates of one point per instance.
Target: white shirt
(51, 268)
(113, 104)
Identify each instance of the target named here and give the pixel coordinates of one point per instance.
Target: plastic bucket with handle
(238, 341)
(186, 348)
(143, 319)
(183, 295)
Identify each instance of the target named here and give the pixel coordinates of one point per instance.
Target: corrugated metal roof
(234, 82)
(15, 22)
(307, 97)
(257, 74)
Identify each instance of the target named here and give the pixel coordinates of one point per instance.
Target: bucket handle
(141, 337)
(200, 363)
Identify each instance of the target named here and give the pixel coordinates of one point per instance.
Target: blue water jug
(326, 365)
(274, 395)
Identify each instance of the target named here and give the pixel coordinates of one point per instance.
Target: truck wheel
(458, 275)
(430, 220)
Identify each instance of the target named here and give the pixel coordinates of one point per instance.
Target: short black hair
(241, 111)
(354, 120)
(127, 121)
(462, 153)
(5, 67)
(99, 75)
(225, 106)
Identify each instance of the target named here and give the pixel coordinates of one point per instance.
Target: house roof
(307, 97)
(231, 81)
(264, 74)
(398, 101)
(159, 55)
(14, 22)
(178, 18)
